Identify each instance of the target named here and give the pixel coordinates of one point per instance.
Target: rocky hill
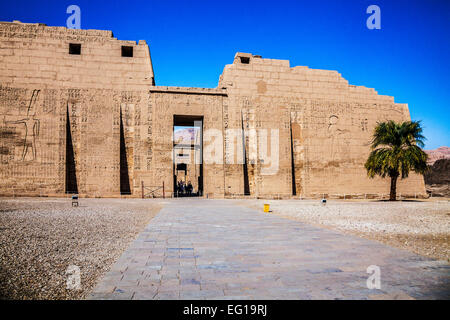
(437, 179)
(439, 153)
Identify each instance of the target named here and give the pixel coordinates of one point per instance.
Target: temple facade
(80, 113)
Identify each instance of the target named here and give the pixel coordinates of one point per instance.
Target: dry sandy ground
(41, 238)
(422, 227)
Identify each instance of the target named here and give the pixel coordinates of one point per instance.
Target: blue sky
(191, 41)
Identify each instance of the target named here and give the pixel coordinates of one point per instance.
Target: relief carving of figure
(32, 126)
(335, 134)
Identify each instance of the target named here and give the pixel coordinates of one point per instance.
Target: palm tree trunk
(393, 195)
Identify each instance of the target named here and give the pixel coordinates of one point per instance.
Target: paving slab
(215, 249)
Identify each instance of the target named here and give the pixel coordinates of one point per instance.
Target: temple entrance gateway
(187, 155)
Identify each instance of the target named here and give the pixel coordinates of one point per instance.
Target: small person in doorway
(189, 189)
(177, 189)
(182, 188)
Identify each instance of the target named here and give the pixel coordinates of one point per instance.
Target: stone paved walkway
(215, 249)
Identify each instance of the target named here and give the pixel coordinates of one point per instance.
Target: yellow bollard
(266, 207)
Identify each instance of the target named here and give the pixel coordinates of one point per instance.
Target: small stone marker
(75, 200)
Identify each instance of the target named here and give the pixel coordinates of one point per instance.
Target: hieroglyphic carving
(149, 139)
(33, 31)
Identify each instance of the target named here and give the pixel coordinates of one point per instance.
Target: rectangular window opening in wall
(245, 60)
(74, 48)
(127, 51)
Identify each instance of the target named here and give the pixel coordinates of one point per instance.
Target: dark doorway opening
(187, 156)
(124, 176)
(71, 176)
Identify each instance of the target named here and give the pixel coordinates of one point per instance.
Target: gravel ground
(41, 238)
(422, 227)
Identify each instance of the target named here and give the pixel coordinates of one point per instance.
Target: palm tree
(396, 149)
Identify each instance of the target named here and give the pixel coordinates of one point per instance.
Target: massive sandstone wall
(48, 95)
(35, 55)
(95, 123)
(331, 124)
(44, 131)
